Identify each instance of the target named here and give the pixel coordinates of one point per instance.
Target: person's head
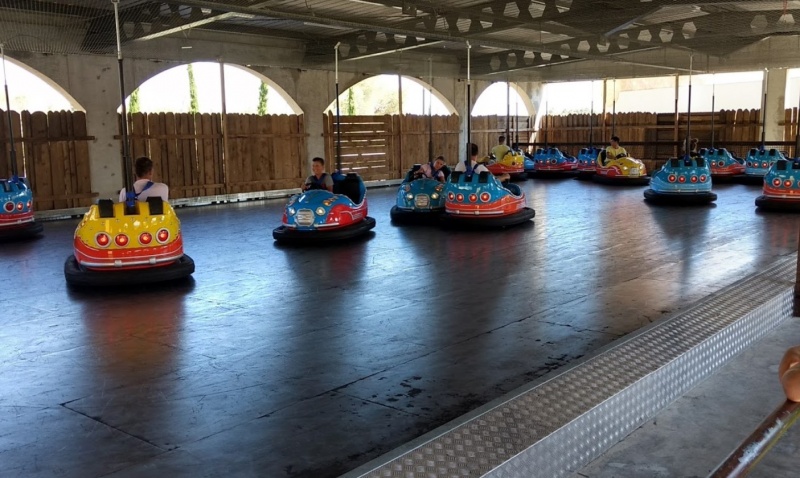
(143, 168)
(615, 141)
(317, 166)
(473, 150)
(502, 140)
(438, 163)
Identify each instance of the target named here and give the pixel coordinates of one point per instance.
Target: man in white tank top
(144, 187)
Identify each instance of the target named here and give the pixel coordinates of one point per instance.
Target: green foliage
(350, 109)
(193, 107)
(134, 107)
(263, 90)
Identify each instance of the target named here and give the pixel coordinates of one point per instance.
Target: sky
(169, 91)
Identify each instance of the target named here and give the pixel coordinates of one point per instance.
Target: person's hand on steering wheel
(621, 155)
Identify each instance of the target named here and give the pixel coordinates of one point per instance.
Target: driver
(433, 170)
(499, 152)
(789, 373)
(477, 167)
(145, 187)
(320, 179)
(615, 151)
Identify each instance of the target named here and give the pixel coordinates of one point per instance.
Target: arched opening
(205, 141)
(388, 124)
(502, 109)
(197, 88)
(32, 91)
(381, 94)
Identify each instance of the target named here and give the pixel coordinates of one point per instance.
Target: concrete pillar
(776, 105)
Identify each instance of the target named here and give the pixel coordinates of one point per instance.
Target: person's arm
(165, 195)
(329, 183)
(789, 373)
(123, 195)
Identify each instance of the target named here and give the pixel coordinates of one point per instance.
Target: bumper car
(781, 187)
(554, 163)
(513, 164)
(587, 162)
(681, 181)
(479, 201)
(16, 217)
(623, 171)
(757, 162)
(723, 165)
(529, 164)
(115, 247)
(418, 200)
(318, 216)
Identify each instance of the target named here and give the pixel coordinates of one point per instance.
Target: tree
(193, 108)
(263, 90)
(133, 106)
(351, 103)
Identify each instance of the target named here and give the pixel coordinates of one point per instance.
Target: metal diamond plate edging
(563, 423)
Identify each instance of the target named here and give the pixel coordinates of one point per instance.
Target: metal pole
(508, 111)
(469, 100)
(689, 110)
(126, 152)
(591, 119)
(516, 124)
(713, 113)
(14, 174)
(338, 117)
(764, 111)
(797, 134)
(430, 110)
(756, 446)
(614, 111)
(546, 124)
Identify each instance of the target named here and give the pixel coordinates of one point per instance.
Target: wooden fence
(208, 154)
(486, 130)
(385, 147)
(53, 153)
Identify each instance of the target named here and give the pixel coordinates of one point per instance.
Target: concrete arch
(526, 100)
(159, 68)
(425, 85)
(74, 104)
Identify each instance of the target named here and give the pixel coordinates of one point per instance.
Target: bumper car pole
(14, 171)
(338, 114)
(127, 165)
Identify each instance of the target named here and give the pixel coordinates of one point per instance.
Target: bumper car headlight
(291, 211)
(320, 211)
(435, 196)
(409, 196)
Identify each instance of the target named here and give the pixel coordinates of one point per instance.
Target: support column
(776, 105)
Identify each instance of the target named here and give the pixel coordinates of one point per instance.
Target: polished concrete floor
(287, 362)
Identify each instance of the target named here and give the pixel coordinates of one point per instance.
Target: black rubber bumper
(405, 216)
(778, 205)
(752, 180)
(727, 178)
(679, 199)
(585, 175)
(287, 235)
(22, 231)
(552, 174)
(465, 221)
(79, 276)
(621, 181)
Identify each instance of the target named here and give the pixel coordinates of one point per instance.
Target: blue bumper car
(16, 216)
(480, 201)
(318, 216)
(758, 162)
(681, 181)
(553, 163)
(529, 164)
(587, 162)
(419, 200)
(724, 166)
(781, 187)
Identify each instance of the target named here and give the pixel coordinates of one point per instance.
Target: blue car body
(318, 215)
(418, 197)
(16, 209)
(553, 160)
(758, 161)
(681, 181)
(781, 187)
(480, 200)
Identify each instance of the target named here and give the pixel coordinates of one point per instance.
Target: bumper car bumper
(79, 276)
(20, 231)
(767, 203)
(621, 180)
(679, 199)
(288, 235)
(415, 216)
(466, 221)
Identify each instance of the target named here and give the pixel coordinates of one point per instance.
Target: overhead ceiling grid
(520, 39)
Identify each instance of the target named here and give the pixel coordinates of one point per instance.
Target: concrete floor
(286, 362)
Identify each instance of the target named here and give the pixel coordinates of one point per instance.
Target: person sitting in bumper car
(614, 151)
(436, 170)
(476, 166)
(144, 187)
(320, 179)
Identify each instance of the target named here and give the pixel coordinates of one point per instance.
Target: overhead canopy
(550, 40)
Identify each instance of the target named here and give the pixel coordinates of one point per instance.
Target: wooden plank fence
(385, 147)
(195, 156)
(53, 153)
(486, 130)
